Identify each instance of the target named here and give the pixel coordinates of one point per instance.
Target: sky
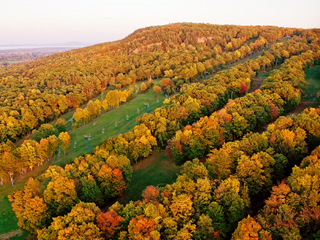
(97, 21)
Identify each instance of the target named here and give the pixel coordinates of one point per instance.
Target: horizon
(83, 44)
(104, 21)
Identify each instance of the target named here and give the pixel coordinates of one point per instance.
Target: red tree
(243, 88)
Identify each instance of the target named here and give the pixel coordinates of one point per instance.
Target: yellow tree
(60, 195)
(28, 153)
(157, 89)
(62, 102)
(64, 140)
(29, 207)
(78, 115)
(97, 105)
(144, 87)
(77, 224)
(91, 109)
(105, 105)
(52, 145)
(122, 96)
(112, 98)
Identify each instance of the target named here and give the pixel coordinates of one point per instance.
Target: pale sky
(95, 21)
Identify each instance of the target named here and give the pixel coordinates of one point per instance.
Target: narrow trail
(256, 83)
(10, 234)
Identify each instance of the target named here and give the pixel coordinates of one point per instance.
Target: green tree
(61, 125)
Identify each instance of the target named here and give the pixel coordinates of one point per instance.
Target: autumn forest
(238, 118)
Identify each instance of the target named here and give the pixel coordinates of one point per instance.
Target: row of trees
(207, 201)
(280, 92)
(194, 101)
(36, 92)
(112, 99)
(18, 160)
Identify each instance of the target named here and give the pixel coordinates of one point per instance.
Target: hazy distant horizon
(35, 47)
(45, 45)
(98, 21)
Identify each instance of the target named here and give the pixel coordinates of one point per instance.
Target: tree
(78, 115)
(61, 125)
(144, 87)
(29, 207)
(52, 145)
(77, 224)
(234, 205)
(150, 193)
(64, 140)
(243, 88)
(157, 89)
(256, 171)
(181, 207)
(60, 195)
(249, 229)
(62, 102)
(274, 111)
(89, 191)
(30, 153)
(91, 109)
(200, 67)
(140, 226)
(112, 98)
(109, 222)
(105, 105)
(158, 71)
(44, 131)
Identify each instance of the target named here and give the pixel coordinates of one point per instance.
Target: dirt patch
(303, 105)
(10, 234)
(256, 83)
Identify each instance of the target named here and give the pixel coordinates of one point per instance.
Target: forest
(249, 166)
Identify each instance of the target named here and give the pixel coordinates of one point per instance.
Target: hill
(202, 117)
(36, 92)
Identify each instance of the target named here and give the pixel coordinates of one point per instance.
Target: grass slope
(155, 170)
(313, 82)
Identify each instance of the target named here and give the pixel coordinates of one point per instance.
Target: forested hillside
(35, 92)
(214, 119)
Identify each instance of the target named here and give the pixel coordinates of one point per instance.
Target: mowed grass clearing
(107, 121)
(155, 170)
(313, 83)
